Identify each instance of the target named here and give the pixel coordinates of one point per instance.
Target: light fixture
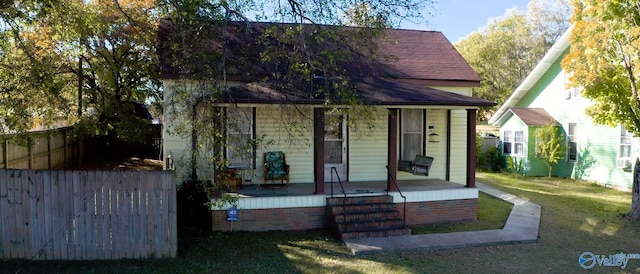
(433, 136)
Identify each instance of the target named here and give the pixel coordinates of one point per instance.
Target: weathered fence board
(87, 215)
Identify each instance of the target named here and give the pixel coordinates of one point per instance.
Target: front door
(335, 147)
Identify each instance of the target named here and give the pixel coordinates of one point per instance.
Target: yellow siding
(437, 150)
(289, 130)
(458, 146)
(459, 90)
(368, 151)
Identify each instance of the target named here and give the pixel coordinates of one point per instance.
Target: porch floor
(351, 188)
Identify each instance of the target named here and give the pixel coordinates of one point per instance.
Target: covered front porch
(299, 207)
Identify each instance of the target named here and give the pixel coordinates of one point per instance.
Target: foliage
(507, 49)
(72, 60)
(587, 161)
(550, 145)
(516, 166)
(492, 160)
(604, 60)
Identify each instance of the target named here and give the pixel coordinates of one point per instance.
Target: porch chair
(275, 168)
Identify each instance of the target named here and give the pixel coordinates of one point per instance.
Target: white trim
(321, 200)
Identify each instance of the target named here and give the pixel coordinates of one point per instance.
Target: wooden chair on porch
(275, 168)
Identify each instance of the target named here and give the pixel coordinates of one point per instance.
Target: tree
(86, 62)
(604, 60)
(550, 145)
(508, 48)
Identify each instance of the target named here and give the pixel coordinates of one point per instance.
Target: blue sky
(457, 18)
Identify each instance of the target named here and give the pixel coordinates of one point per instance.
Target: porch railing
(335, 171)
(404, 210)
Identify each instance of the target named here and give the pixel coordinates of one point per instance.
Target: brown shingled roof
(534, 116)
(425, 55)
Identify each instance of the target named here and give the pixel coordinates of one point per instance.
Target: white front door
(335, 147)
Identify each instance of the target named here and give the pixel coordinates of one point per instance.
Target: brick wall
(302, 218)
(432, 212)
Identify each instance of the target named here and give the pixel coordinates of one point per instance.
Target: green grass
(576, 217)
(492, 214)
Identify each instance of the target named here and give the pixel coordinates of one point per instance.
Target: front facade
(596, 153)
(432, 115)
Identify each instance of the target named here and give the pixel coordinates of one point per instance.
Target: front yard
(577, 217)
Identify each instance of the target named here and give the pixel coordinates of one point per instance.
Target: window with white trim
(412, 131)
(571, 92)
(240, 132)
(572, 142)
(513, 142)
(625, 143)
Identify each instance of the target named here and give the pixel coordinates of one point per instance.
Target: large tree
(604, 60)
(80, 61)
(507, 49)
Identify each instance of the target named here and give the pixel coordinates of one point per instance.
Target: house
(419, 102)
(593, 152)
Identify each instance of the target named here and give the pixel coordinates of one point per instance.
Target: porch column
(318, 152)
(392, 151)
(471, 148)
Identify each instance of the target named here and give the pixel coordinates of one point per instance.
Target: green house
(596, 153)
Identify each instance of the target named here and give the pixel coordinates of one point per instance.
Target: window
(571, 92)
(572, 142)
(625, 143)
(518, 143)
(513, 142)
(240, 131)
(506, 142)
(412, 129)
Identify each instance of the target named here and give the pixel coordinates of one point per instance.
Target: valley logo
(588, 260)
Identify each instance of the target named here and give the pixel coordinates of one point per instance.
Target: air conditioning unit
(623, 163)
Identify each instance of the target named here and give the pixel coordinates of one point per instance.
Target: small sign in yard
(232, 214)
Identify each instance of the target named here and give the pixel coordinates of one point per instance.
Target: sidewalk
(522, 226)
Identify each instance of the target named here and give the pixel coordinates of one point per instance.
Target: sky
(457, 18)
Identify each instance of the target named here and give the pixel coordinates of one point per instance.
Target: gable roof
(401, 55)
(552, 56)
(533, 116)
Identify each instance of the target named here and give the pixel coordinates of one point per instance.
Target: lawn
(576, 217)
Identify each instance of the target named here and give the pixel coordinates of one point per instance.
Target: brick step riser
(370, 234)
(353, 217)
(370, 226)
(360, 200)
(361, 209)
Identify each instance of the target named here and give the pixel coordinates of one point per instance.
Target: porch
(298, 208)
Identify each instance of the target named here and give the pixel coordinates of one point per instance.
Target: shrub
(491, 160)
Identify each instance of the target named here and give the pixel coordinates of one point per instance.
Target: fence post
(5, 153)
(49, 152)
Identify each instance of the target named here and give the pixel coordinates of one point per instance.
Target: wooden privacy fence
(50, 149)
(87, 215)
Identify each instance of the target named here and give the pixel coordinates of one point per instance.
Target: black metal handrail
(344, 215)
(404, 213)
(334, 170)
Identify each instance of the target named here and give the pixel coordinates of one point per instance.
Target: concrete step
(375, 234)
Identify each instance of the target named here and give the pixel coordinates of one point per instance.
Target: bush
(491, 160)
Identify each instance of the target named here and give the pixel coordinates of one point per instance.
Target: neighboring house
(596, 153)
(423, 104)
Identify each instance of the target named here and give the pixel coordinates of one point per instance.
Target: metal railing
(404, 210)
(344, 214)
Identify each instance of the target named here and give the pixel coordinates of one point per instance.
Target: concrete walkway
(522, 226)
